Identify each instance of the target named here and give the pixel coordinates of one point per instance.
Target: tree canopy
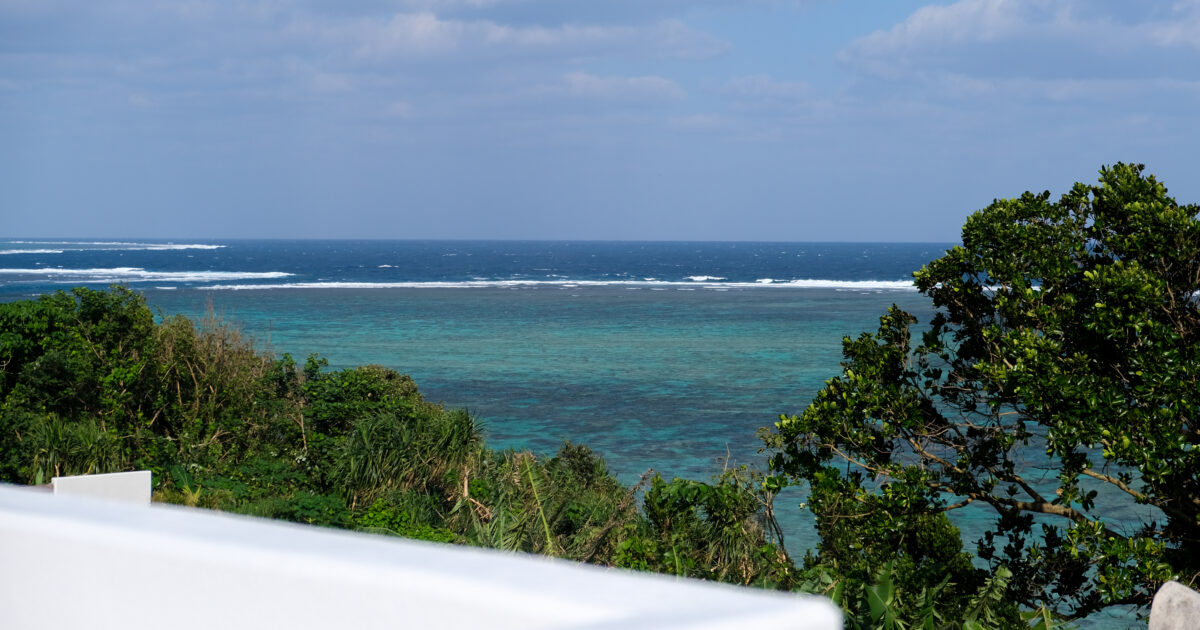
(1053, 393)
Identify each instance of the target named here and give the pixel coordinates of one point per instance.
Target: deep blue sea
(663, 355)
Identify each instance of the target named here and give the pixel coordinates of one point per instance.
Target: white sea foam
(705, 278)
(887, 285)
(30, 251)
(137, 274)
(385, 266)
(118, 245)
(168, 246)
(852, 285)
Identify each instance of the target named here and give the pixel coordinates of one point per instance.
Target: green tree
(83, 352)
(724, 531)
(1056, 390)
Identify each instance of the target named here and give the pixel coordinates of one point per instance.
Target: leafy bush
(385, 518)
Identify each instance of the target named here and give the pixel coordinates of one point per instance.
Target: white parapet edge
(131, 487)
(77, 562)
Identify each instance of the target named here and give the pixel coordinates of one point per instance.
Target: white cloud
(425, 34)
(968, 20)
(1181, 28)
(408, 33)
(1022, 35)
(936, 30)
(399, 109)
(1048, 51)
(584, 85)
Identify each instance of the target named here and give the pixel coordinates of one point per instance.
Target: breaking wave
(857, 285)
(104, 246)
(137, 274)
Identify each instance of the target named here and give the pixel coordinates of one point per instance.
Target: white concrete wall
(131, 487)
(70, 562)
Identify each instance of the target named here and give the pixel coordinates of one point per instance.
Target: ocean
(658, 355)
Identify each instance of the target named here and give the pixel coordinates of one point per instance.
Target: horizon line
(177, 239)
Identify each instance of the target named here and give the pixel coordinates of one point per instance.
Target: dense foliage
(1056, 390)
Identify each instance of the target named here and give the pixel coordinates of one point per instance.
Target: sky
(779, 120)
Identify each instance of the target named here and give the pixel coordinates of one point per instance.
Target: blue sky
(785, 120)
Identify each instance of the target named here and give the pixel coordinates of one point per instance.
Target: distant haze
(779, 120)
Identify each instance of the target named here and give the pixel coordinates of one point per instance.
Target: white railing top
(74, 562)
